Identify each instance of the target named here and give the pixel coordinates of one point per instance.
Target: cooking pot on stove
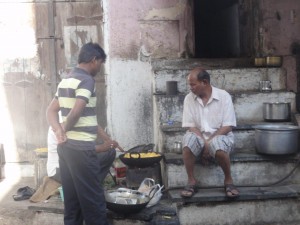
(141, 156)
(140, 160)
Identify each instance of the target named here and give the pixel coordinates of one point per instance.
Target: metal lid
(275, 127)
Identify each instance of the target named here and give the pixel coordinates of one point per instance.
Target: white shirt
(52, 161)
(218, 112)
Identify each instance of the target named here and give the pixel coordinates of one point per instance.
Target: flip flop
(189, 191)
(229, 188)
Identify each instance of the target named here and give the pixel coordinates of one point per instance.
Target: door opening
(216, 29)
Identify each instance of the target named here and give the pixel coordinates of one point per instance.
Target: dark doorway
(216, 28)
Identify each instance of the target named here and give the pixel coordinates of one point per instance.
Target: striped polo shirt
(79, 84)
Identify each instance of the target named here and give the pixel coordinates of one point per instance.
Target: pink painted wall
(280, 27)
(158, 26)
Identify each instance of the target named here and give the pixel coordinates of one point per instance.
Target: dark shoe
(189, 191)
(23, 193)
(231, 191)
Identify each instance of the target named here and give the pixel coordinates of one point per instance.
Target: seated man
(106, 155)
(209, 115)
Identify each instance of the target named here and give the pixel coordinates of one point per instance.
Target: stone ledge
(246, 194)
(172, 158)
(242, 125)
(187, 64)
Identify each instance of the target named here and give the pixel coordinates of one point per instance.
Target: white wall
(129, 102)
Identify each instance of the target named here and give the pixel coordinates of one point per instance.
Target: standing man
(209, 115)
(79, 166)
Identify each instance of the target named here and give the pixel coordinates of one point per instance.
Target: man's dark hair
(203, 75)
(89, 51)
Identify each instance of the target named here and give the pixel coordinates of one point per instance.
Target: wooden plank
(46, 209)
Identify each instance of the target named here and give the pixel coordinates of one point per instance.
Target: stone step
(204, 195)
(248, 105)
(244, 136)
(232, 80)
(187, 64)
(256, 205)
(273, 205)
(247, 169)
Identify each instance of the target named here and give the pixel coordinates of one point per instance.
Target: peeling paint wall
(130, 102)
(159, 27)
(278, 31)
(135, 32)
(138, 31)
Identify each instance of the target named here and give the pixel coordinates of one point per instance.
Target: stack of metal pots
(277, 138)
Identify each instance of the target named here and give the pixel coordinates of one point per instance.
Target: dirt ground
(17, 212)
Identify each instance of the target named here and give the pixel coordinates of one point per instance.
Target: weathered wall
(24, 93)
(160, 27)
(38, 47)
(135, 32)
(138, 31)
(278, 30)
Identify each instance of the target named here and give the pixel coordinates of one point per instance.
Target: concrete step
(232, 80)
(255, 206)
(244, 135)
(272, 205)
(247, 169)
(248, 105)
(187, 64)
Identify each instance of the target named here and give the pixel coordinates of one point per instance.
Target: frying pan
(142, 148)
(140, 162)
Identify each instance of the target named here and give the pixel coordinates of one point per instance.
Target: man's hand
(205, 158)
(60, 135)
(107, 145)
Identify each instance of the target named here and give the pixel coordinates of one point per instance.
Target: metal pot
(259, 61)
(178, 147)
(276, 139)
(265, 86)
(275, 61)
(126, 201)
(277, 111)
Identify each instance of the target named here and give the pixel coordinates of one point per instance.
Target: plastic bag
(151, 189)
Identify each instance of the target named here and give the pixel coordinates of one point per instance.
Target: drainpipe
(52, 52)
(295, 50)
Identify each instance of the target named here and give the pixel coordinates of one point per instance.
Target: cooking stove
(135, 175)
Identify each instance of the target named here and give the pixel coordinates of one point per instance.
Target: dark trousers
(82, 173)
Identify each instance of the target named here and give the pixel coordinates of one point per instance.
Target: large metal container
(276, 139)
(277, 111)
